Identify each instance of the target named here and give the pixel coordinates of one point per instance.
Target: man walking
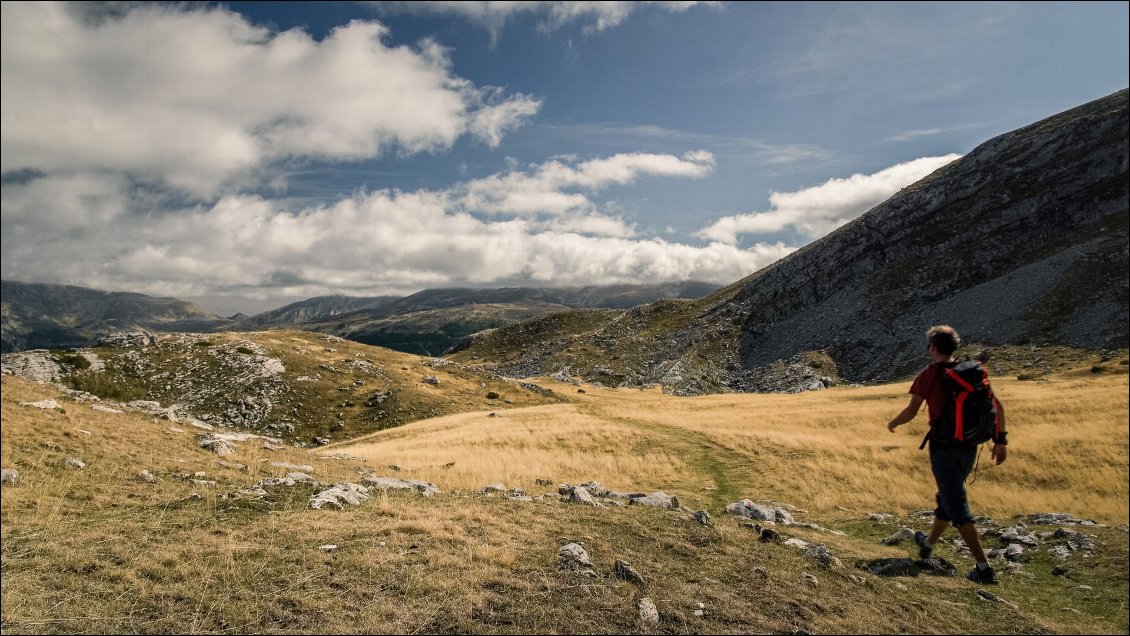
(950, 462)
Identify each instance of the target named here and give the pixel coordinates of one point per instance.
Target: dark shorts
(951, 466)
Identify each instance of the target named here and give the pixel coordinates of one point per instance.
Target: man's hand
(1000, 453)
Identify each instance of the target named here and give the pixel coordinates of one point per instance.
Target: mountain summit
(1023, 240)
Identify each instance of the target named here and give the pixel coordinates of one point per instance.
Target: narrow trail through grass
(730, 473)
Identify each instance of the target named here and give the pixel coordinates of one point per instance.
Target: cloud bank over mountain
(147, 148)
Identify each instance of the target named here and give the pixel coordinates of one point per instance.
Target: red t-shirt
(928, 385)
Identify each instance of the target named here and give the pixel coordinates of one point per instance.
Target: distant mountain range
(58, 316)
(428, 322)
(434, 320)
(1022, 241)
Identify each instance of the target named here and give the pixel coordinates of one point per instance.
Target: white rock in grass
(43, 404)
(329, 547)
(658, 499)
(147, 476)
(340, 495)
(426, 489)
(10, 476)
(104, 409)
(305, 468)
(581, 495)
(573, 557)
(74, 462)
(649, 613)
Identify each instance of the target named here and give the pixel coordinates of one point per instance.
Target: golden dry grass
(98, 551)
(824, 451)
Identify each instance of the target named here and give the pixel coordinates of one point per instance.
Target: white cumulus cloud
(553, 188)
(199, 98)
(386, 241)
(820, 209)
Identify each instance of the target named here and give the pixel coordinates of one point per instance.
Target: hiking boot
(987, 576)
(924, 551)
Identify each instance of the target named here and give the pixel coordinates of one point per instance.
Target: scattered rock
(42, 404)
(810, 580)
(431, 379)
(649, 613)
(703, 517)
(624, 570)
(581, 495)
(1014, 552)
(304, 468)
(391, 483)
(761, 571)
(595, 489)
(1017, 534)
(329, 547)
(797, 543)
(879, 517)
(768, 534)
(147, 477)
(1059, 519)
(491, 395)
(74, 462)
(339, 496)
(492, 488)
(760, 512)
(105, 409)
(820, 553)
(1076, 541)
(904, 534)
(10, 477)
(574, 558)
(658, 499)
(1059, 570)
(986, 595)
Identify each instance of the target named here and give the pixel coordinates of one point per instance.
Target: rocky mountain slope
(310, 309)
(38, 315)
(1021, 242)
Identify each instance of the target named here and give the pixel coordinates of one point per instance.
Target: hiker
(951, 461)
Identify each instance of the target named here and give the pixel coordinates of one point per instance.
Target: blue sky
(245, 155)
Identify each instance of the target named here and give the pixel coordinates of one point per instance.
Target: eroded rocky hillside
(1021, 243)
(304, 388)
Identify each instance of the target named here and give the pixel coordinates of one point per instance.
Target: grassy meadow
(98, 550)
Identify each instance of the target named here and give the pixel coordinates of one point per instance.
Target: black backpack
(969, 414)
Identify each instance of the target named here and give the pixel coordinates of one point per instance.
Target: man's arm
(1000, 443)
(907, 414)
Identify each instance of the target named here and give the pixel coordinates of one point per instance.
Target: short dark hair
(944, 338)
